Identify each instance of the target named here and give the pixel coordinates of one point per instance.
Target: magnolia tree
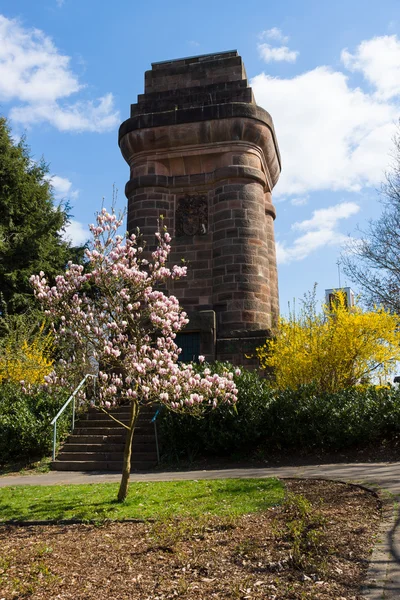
(116, 314)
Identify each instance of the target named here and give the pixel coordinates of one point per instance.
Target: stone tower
(204, 155)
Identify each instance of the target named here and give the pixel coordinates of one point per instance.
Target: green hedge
(303, 419)
(25, 430)
(222, 431)
(266, 419)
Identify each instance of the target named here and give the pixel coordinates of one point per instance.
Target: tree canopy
(31, 224)
(373, 261)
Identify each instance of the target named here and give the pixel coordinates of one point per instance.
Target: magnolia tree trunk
(126, 469)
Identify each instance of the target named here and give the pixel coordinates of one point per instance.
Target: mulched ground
(291, 552)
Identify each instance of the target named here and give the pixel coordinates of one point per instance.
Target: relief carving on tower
(191, 217)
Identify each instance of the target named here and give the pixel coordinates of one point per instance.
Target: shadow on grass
(60, 512)
(51, 505)
(97, 502)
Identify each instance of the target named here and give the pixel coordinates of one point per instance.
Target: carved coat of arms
(191, 216)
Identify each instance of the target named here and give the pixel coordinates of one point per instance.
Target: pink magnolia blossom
(115, 313)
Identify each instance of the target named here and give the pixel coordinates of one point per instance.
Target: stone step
(97, 423)
(96, 417)
(97, 442)
(104, 456)
(98, 465)
(70, 446)
(110, 431)
(92, 423)
(122, 411)
(109, 439)
(127, 407)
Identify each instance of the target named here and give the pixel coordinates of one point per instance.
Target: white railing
(70, 399)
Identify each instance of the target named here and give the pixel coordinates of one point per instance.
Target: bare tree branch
(373, 261)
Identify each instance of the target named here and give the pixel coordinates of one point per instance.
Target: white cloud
(76, 233)
(319, 231)
(282, 53)
(378, 60)
(327, 218)
(299, 201)
(274, 34)
(40, 79)
(62, 187)
(31, 69)
(81, 116)
(332, 136)
(60, 3)
(271, 53)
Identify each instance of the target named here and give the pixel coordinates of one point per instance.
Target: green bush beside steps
(25, 430)
(266, 419)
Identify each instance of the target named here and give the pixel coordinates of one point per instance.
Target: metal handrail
(70, 399)
(154, 421)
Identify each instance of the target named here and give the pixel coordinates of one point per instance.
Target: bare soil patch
(315, 546)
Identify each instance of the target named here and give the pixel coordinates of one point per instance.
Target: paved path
(385, 475)
(384, 573)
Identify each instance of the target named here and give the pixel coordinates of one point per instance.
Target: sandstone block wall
(204, 155)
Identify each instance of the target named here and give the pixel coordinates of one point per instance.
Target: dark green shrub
(224, 431)
(25, 430)
(302, 419)
(266, 420)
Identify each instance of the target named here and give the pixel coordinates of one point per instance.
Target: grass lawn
(97, 502)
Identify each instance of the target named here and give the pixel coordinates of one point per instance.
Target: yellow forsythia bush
(334, 349)
(26, 356)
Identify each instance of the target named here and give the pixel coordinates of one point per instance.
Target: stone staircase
(97, 442)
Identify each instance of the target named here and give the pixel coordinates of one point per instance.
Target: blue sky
(329, 74)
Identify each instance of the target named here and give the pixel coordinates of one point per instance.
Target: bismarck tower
(204, 155)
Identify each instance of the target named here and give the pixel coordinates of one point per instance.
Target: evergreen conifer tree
(31, 224)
